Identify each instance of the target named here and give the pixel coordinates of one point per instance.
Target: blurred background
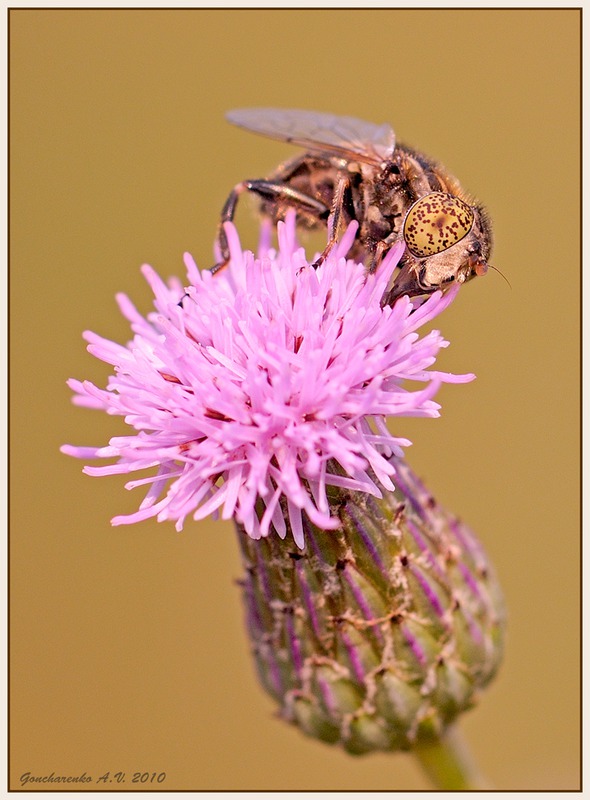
(127, 647)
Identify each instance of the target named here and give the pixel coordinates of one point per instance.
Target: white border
(540, 4)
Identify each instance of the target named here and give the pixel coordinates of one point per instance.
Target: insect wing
(348, 137)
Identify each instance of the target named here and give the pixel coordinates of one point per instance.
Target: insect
(354, 170)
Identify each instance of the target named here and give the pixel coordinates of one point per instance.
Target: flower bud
(379, 633)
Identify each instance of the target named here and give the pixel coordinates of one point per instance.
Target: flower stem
(448, 763)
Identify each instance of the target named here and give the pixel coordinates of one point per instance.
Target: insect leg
(267, 190)
(382, 246)
(341, 214)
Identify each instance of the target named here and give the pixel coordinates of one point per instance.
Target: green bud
(377, 635)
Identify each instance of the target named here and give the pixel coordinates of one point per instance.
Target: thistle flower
(261, 394)
(264, 386)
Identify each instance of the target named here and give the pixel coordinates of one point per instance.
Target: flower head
(254, 390)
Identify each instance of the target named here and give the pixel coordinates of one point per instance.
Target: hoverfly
(353, 170)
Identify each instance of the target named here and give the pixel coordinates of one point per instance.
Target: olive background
(127, 651)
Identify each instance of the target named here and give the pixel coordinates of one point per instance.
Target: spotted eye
(436, 222)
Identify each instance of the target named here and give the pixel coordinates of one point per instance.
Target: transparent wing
(348, 137)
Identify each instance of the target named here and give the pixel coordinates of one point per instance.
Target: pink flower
(266, 379)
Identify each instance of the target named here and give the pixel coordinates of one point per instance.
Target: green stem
(448, 764)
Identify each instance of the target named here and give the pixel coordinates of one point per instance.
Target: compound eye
(436, 222)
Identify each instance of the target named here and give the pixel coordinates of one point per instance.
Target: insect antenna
(499, 271)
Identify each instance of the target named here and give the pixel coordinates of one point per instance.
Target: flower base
(379, 633)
